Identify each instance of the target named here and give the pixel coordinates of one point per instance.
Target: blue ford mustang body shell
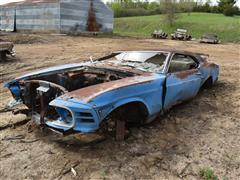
(84, 109)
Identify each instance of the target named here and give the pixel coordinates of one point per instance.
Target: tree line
(125, 8)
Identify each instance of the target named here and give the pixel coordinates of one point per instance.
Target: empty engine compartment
(84, 77)
(38, 92)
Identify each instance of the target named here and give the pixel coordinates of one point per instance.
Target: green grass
(207, 174)
(227, 28)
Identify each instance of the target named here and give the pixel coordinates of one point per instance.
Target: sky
(7, 1)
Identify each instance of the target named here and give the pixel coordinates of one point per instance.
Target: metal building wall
(36, 17)
(7, 18)
(104, 16)
(55, 15)
(74, 15)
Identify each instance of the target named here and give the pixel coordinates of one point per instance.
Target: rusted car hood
(50, 70)
(87, 94)
(65, 67)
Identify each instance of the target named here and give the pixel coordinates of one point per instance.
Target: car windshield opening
(146, 61)
(141, 56)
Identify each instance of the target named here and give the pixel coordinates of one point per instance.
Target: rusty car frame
(210, 38)
(181, 34)
(159, 34)
(123, 87)
(6, 48)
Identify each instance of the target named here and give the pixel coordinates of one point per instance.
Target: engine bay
(37, 92)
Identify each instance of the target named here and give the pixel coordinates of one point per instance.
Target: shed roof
(28, 2)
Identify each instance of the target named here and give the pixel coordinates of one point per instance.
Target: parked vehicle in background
(6, 48)
(210, 38)
(159, 34)
(181, 34)
(120, 88)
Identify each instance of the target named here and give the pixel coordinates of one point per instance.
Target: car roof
(165, 51)
(210, 34)
(199, 56)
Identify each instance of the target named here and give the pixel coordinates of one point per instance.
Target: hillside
(228, 28)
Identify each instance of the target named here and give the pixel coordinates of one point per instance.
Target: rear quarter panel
(209, 70)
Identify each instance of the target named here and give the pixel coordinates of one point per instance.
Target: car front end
(78, 97)
(62, 98)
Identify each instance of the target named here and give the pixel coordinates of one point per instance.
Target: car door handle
(198, 73)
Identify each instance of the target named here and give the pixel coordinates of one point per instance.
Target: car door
(183, 79)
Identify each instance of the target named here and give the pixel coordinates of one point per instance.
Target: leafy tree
(227, 7)
(169, 8)
(228, 10)
(236, 10)
(207, 6)
(223, 3)
(186, 6)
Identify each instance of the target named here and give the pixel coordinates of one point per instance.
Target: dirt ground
(201, 133)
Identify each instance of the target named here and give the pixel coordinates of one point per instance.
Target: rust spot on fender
(89, 93)
(185, 74)
(209, 65)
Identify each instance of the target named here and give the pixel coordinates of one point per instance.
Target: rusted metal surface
(53, 85)
(89, 93)
(185, 74)
(122, 68)
(209, 65)
(43, 105)
(92, 24)
(37, 99)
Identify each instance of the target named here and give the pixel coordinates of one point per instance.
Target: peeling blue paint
(156, 92)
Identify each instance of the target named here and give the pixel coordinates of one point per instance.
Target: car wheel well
(208, 83)
(134, 112)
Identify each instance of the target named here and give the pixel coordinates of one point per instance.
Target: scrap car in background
(6, 48)
(123, 87)
(210, 38)
(159, 34)
(181, 34)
